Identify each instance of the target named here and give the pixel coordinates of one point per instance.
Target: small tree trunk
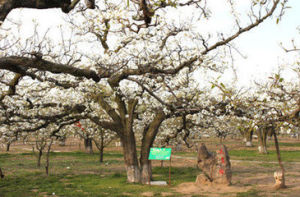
(8, 146)
(47, 157)
(101, 154)
(101, 146)
(1, 174)
(282, 185)
(88, 145)
(39, 158)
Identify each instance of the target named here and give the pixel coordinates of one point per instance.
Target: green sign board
(160, 154)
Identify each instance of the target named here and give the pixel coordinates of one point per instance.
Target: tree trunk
(88, 145)
(39, 158)
(262, 138)
(130, 158)
(149, 135)
(101, 146)
(1, 174)
(101, 155)
(47, 157)
(282, 183)
(146, 172)
(8, 146)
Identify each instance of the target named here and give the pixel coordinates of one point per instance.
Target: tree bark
(22, 64)
(149, 135)
(101, 154)
(130, 157)
(101, 148)
(66, 5)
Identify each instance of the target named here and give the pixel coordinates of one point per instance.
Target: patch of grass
(178, 175)
(79, 174)
(186, 154)
(250, 193)
(287, 144)
(75, 185)
(268, 165)
(79, 154)
(288, 156)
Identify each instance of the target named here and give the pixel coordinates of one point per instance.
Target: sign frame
(161, 154)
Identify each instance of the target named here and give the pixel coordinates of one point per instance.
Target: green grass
(178, 175)
(74, 185)
(253, 155)
(80, 174)
(185, 154)
(287, 144)
(250, 193)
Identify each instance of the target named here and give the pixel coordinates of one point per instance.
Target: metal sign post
(170, 173)
(161, 154)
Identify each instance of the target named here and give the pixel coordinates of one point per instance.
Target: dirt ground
(247, 177)
(250, 178)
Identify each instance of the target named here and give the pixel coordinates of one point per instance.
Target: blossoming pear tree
(140, 54)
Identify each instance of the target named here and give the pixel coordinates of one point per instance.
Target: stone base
(158, 183)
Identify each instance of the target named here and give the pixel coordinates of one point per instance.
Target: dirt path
(250, 178)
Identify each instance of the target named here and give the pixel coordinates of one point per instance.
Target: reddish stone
(215, 165)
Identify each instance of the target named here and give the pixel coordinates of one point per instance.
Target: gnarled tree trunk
(140, 172)
(149, 135)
